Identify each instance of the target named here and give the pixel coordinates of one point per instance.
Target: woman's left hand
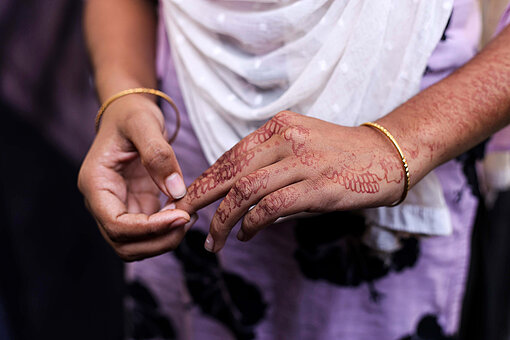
(293, 164)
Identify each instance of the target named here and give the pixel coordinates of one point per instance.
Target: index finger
(244, 158)
(121, 226)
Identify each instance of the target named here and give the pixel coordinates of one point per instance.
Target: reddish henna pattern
(245, 188)
(365, 182)
(365, 177)
(273, 205)
(232, 162)
(392, 170)
(298, 136)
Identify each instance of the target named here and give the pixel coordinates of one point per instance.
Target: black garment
(486, 312)
(59, 278)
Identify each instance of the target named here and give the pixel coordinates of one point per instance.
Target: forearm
(121, 38)
(456, 113)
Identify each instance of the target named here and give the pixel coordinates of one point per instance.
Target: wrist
(111, 79)
(132, 110)
(387, 165)
(419, 144)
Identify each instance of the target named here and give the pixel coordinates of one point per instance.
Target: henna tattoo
(365, 182)
(273, 205)
(219, 174)
(392, 170)
(232, 162)
(245, 188)
(364, 172)
(298, 136)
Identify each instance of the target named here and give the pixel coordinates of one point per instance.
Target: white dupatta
(344, 61)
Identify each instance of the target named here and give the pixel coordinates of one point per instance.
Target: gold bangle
(154, 92)
(404, 161)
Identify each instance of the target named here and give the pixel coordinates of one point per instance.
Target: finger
(119, 226)
(213, 183)
(247, 191)
(137, 251)
(289, 200)
(221, 176)
(156, 154)
(303, 196)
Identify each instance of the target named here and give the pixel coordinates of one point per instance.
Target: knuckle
(266, 205)
(157, 155)
(293, 133)
(277, 139)
(226, 171)
(284, 114)
(243, 188)
(113, 233)
(253, 219)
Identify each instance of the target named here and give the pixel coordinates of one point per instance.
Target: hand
(126, 168)
(295, 164)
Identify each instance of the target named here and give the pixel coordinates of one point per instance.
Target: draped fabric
(241, 62)
(347, 62)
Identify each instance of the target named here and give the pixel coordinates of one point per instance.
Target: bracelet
(154, 92)
(404, 161)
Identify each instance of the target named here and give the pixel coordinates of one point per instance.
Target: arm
(121, 39)
(130, 161)
(295, 163)
(457, 113)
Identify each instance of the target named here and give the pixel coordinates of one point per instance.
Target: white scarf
(344, 61)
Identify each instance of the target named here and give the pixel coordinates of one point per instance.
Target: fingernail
(175, 186)
(241, 235)
(170, 206)
(192, 221)
(178, 222)
(209, 243)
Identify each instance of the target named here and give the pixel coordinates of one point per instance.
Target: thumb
(157, 156)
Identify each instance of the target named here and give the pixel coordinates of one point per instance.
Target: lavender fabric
(311, 278)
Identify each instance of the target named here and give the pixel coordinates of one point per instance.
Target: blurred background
(58, 278)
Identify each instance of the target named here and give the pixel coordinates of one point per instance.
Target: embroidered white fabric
(344, 61)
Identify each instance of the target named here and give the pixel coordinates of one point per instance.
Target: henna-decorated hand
(295, 164)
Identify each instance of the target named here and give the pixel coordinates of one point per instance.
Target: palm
(127, 179)
(142, 194)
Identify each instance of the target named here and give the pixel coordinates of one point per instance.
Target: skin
(286, 167)
(130, 161)
(345, 168)
(291, 164)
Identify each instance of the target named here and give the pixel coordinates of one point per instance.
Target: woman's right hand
(127, 167)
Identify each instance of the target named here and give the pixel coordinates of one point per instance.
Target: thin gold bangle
(154, 92)
(404, 161)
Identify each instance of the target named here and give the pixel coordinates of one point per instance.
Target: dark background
(58, 278)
